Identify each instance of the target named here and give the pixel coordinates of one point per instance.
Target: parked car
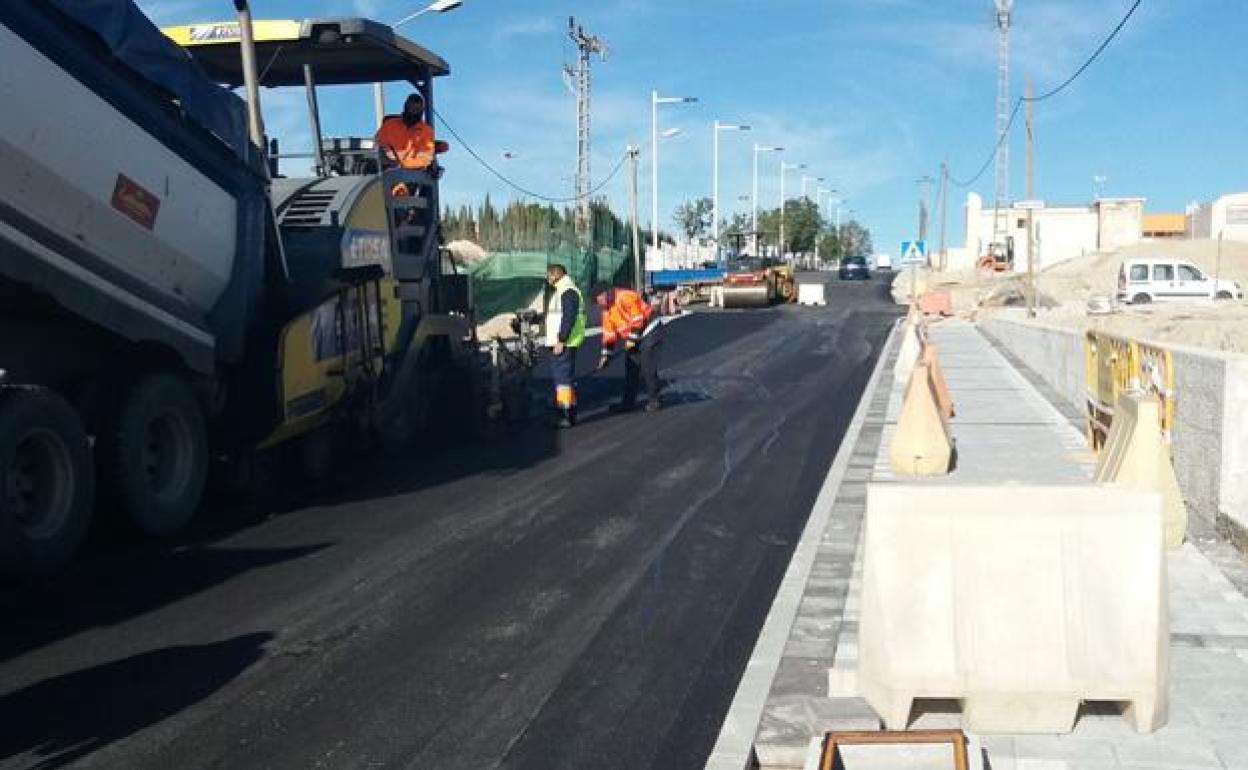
(1141, 281)
(855, 269)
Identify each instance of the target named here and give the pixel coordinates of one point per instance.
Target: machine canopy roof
(340, 51)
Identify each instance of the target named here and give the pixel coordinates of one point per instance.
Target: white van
(1141, 281)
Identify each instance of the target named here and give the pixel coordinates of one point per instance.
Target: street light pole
(655, 101)
(785, 168)
(754, 198)
(379, 91)
(715, 183)
(807, 179)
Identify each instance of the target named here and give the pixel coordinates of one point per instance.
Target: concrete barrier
(936, 302)
(1135, 455)
(944, 400)
(913, 333)
(1021, 601)
(1209, 441)
(810, 294)
(921, 444)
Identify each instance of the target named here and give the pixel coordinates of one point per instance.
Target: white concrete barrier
(810, 294)
(1136, 455)
(921, 444)
(1021, 601)
(911, 349)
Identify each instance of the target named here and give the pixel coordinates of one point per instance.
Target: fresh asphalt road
(583, 599)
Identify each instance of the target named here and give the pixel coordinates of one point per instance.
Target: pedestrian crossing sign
(914, 252)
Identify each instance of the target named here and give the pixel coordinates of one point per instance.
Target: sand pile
(1065, 290)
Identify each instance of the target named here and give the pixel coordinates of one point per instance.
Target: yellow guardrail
(1115, 365)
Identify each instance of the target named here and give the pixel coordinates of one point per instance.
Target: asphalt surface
(583, 599)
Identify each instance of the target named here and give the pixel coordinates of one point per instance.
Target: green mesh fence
(506, 281)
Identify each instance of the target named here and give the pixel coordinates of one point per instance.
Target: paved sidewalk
(1006, 431)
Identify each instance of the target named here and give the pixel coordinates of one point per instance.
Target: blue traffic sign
(914, 252)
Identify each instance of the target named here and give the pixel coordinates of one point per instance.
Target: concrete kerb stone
(734, 748)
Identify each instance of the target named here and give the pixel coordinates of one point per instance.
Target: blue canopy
(137, 42)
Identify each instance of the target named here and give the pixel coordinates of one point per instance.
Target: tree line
(806, 231)
(528, 226)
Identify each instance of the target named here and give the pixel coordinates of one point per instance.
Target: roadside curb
(734, 748)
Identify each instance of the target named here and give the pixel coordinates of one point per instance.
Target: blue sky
(871, 94)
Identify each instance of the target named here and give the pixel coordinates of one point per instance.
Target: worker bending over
(565, 331)
(627, 324)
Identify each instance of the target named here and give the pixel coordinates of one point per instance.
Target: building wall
(1226, 216)
(1062, 233)
(1121, 221)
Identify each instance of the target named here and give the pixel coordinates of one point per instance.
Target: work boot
(621, 407)
(653, 405)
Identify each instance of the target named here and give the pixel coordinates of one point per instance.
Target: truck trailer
(170, 301)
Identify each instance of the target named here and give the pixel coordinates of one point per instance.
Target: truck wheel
(156, 455)
(1224, 295)
(47, 482)
(1141, 299)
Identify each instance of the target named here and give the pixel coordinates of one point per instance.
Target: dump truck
(170, 301)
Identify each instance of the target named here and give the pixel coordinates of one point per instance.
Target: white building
(1062, 232)
(1226, 216)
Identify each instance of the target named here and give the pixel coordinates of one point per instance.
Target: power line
(1065, 84)
(519, 188)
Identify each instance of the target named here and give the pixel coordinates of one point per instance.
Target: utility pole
(1031, 142)
(944, 211)
(1032, 243)
(1001, 194)
(923, 183)
(586, 45)
(634, 154)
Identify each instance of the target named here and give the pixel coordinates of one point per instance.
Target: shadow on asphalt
(60, 720)
(104, 594)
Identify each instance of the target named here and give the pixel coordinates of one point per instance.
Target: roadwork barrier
(1022, 601)
(1115, 365)
(921, 444)
(811, 294)
(1136, 455)
(913, 334)
(940, 388)
(1208, 434)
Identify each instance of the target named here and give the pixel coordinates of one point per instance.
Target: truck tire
(1141, 299)
(47, 482)
(1224, 295)
(155, 455)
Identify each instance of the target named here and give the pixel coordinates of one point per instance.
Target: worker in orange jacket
(630, 325)
(407, 139)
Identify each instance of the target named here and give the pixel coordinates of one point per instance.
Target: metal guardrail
(1114, 365)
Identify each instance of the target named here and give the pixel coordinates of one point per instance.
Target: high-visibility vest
(554, 315)
(627, 318)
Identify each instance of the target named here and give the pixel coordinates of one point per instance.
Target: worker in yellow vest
(565, 331)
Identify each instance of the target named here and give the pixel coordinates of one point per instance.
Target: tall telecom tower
(586, 46)
(1001, 195)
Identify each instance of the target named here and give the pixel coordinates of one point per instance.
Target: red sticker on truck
(132, 200)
